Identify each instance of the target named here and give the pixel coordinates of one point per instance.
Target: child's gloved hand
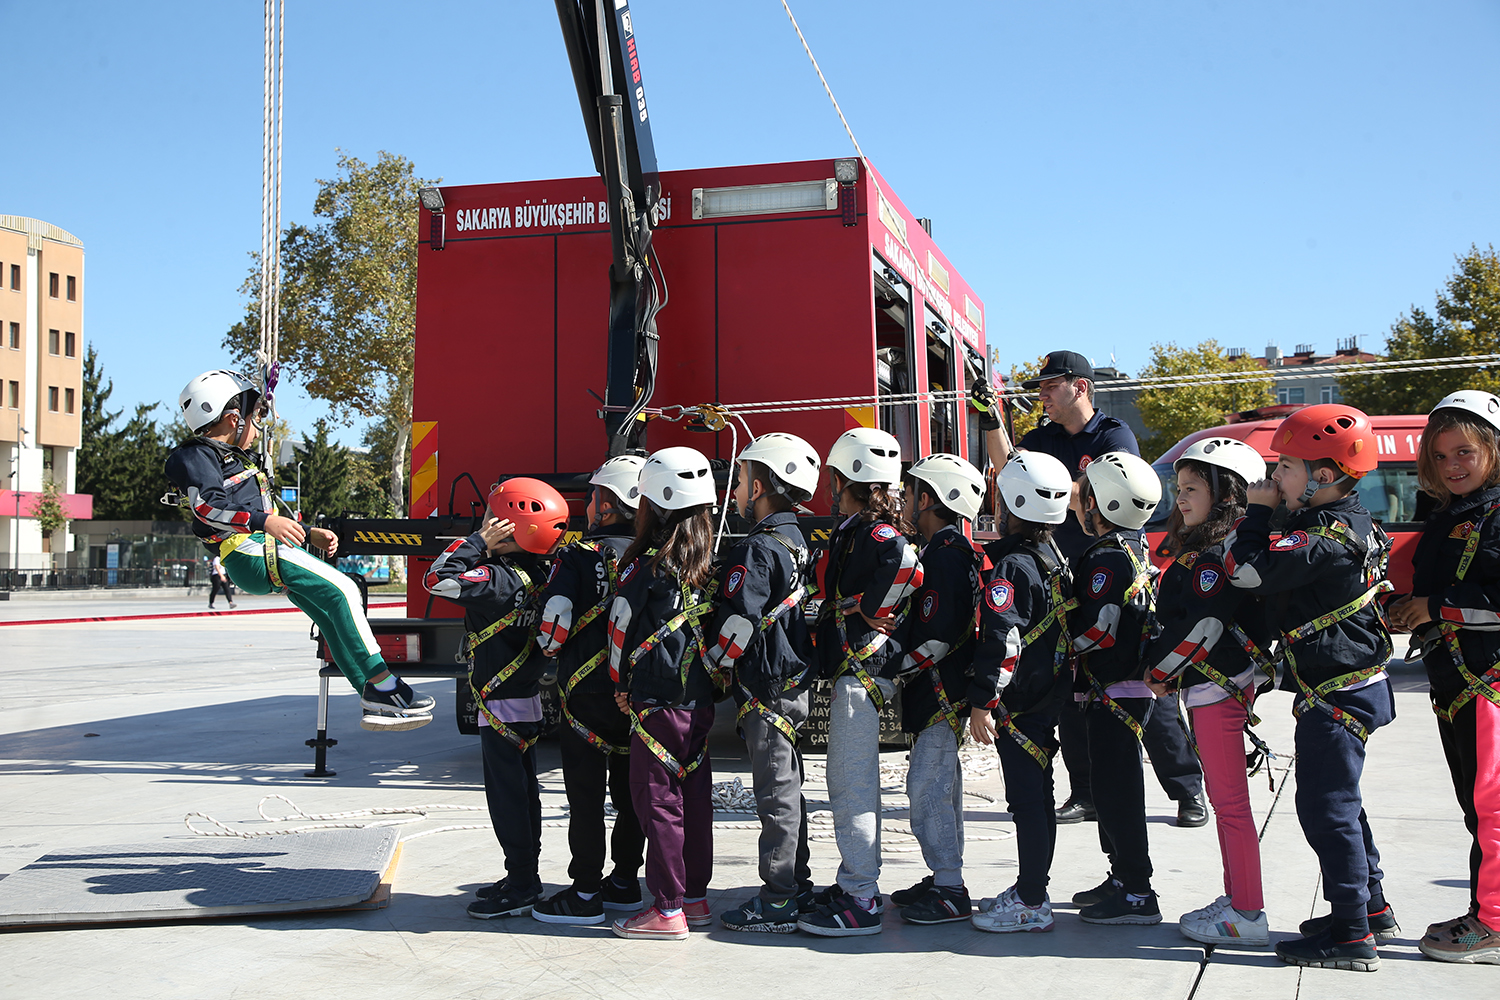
(496, 531)
(1266, 493)
(284, 529)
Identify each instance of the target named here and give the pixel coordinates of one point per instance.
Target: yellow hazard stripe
(388, 538)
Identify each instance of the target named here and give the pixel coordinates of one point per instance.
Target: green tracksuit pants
(329, 597)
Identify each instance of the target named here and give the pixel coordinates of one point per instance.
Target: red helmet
(1332, 431)
(537, 510)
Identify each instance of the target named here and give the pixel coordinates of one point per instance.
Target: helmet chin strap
(1313, 486)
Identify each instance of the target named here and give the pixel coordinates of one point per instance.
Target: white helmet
(204, 399)
(1036, 487)
(621, 475)
(792, 461)
(1483, 405)
(956, 483)
(867, 455)
(1226, 453)
(674, 478)
(1126, 489)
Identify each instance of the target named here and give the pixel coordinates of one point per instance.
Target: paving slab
(209, 715)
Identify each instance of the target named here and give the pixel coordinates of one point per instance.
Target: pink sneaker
(652, 925)
(697, 913)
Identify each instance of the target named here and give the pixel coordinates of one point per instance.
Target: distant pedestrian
(219, 580)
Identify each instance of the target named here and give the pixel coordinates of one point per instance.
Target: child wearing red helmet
(495, 574)
(1321, 578)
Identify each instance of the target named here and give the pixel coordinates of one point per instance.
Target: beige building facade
(41, 381)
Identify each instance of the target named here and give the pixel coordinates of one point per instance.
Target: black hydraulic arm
(607, 73)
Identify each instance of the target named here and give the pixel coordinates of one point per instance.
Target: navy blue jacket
(200, 468)
(938, 631)
(1023, 677)
(872, 569)
(580, 582)
(489, 588)
(672, 672)
(1107, 631)
(1196, 608)
(1075, 451)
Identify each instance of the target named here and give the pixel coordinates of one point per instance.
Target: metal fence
(182, 575)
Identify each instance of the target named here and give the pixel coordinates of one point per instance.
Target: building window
(15, 336)
(72, 288)
(52, 284)
(70, 344)
(1296, 397)
(52, 399)
(68, 400)
(47, 458)
(1325, 394)
(15, 277)
(14, 401)
(52, 341)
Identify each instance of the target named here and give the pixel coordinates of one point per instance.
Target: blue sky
(1106, 175)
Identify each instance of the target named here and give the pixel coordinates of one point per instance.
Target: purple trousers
(677, 815)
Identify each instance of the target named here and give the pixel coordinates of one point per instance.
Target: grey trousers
(776, 774)
(854, 783)
(935, 788)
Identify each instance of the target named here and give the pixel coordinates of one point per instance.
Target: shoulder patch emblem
(626, 573)
(1085, 462)
(929, 605)
(1209, 579)
(1462, 530)
(1286, 543)
(1000, 596)
(734, 581)
(884, 533)
(1099, 582)
(478, 573)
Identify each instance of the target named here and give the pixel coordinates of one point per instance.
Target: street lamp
(15, 488)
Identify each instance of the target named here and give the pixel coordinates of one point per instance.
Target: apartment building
(41, 383)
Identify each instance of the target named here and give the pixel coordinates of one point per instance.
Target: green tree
(348, 300)
(1174, 411)
(1023, 421)
(48, 511)
(1465, 320)
(325, 474)
(121, 469)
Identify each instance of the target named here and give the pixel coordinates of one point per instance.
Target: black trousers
(514, 797)
(587, 775)
(1172, 757)
(1029, 797)
(217, 585)
(1120, 791)
(1330, 761)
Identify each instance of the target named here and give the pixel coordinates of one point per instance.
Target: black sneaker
(566, 907)
(493, 889)
(512, 902)
(625, 897)
(1192, 812)
(906, 897)
(1121, 909)
(940, 905)
(402, 701)
(1076, 812)
(819, 898)
(758, 916)
(1383, 925)
(807, 900)
(841, 917)
(1098, 893)
(1321, 951)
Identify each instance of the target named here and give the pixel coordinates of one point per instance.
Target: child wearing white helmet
(762, 637)
(871, 572)
(1213, 639)
(233, 510)
(937, 639)
(1118, 492)
(1452, 616)
(1021, 678)
(657, 638)
(595, 738)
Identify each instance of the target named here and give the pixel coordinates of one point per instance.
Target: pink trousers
(1219, 729)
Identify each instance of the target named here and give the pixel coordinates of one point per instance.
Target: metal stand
(321, 742)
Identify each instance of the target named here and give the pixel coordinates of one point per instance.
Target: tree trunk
(399, 457)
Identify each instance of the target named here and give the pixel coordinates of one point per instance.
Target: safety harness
(694, 609)
(1376, 584)
(1056, 574)
(1474, 686)
(789, 603)
(607, 556)
(473, 640)
(268, 501)
(946, 712)
(855, 659)
(1141, 583)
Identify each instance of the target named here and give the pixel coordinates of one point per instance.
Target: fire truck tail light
(403, 647)
(766, 199)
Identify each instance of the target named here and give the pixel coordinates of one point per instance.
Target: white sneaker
(1227, 927)
(1006, 914)
(1206, 912)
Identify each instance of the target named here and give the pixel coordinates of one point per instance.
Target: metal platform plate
(198, 879)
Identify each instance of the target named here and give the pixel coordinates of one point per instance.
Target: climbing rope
(270, 211)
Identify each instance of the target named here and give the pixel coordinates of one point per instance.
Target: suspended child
(495, 574)
(871, 572)
(762, 638)
(937, 639)
(1213, 637)
(1454, 612)
(1021, 676)
(1321, 578)
(657, 644)
(234, 514)
(595, 737)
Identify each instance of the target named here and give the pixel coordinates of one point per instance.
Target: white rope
(273, 66)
